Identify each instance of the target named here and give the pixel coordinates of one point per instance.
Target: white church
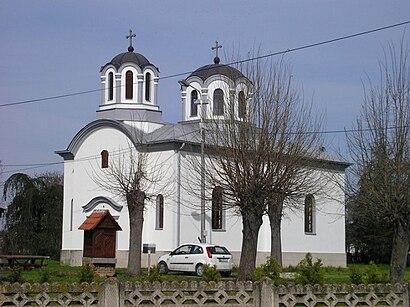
(130, 107)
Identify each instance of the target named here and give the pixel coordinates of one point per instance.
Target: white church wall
(81, 188)
(231, 234)
(68, 205)
(190, 198)
(329, 221)
(327, 242)
(165, 162)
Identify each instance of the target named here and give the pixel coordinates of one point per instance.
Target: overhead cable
(8, 104)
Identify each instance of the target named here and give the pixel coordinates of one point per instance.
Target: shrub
(86, 273)
(154, 274)
(210, 273)
(374, 275)
(270, 268)
(44, 276)
(290, 268)
(235, 270)
(15, 275)
(356, 277)
(309, 272)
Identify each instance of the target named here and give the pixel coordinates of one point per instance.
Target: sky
(50, 48)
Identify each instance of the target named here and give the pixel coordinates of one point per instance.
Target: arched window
(217, 217)
(110, 86)
(104, 159)
(218, 102)
(148, 86)
(194, 103)
(241, 105)
(129, 84)
(309, 214)
(159, 224)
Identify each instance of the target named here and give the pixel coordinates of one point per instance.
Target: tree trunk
(251, 222)
(275, 218)
(135, 202)
(400, 251)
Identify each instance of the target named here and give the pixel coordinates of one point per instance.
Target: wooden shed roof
(96, 218)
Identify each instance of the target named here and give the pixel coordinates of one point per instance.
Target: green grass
(342, 275)
(336, 275)
(53, 269)
(55, 272)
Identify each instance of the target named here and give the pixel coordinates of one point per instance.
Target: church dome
(213, 89)
(128, 57)
(207, 71)
(130, 88)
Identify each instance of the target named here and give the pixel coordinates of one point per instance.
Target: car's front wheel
(163, 268)
(199, 269)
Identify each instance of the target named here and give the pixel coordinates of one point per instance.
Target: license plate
(223, 259)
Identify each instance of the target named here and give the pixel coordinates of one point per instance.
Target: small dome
(128, 57)
(207, 71)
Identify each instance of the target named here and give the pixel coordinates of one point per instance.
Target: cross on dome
(216, 58)
(131, 48)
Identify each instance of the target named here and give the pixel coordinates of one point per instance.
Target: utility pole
(203, 230)
(202, 102)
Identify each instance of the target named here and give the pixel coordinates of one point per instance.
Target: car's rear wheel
(163, 268)
(199, 269)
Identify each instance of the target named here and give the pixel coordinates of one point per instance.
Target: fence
(193, 294)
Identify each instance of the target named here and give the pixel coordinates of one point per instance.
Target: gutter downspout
(178, 223)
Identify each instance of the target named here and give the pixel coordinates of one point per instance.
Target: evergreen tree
(368, 233)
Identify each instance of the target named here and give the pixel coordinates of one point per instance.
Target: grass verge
(55, 272)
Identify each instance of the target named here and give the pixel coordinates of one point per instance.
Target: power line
(48, 98)
(39, 165)
(27, 168)
(29, 165)
(232, 63)
(326, 41)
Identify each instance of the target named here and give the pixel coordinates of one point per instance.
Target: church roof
(207, 71)
(128, 57)
(183, 132)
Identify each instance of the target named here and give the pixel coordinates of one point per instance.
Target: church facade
(129, 115)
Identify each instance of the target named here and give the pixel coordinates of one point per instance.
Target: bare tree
(380, 148)
(259, 159)
(294, 151)
(2, 206)
(131, 175)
